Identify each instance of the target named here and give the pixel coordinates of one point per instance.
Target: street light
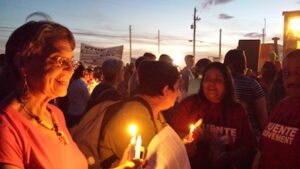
(197, 41)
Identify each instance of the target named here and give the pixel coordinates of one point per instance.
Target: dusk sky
(105, 23)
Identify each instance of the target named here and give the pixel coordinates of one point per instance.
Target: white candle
(192, 128)
(138, 145)
(198, 123)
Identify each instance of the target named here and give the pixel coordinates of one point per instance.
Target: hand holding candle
(190, 137)
(135, 143)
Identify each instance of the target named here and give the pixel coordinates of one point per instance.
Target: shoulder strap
(111, 111)
(104, 92)
(147, 105)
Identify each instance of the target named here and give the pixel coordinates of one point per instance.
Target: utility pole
(130, 49)
(264, 32)
(158, 42)
(193, 26)
(220, 44)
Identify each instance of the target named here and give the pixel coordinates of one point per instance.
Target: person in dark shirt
(225, 140)
(249, 93)
(280, 140)
(113, 74)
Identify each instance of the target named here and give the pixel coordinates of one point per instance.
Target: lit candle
(192, 128)
(132, 130)
(138, 145)
(198, 123)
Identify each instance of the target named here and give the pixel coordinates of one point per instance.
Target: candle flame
(133, 129)
(192, 128)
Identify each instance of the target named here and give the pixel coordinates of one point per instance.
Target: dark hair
(78, 73)
(165, 58)
(154, 76)
(236, 61)
(201, 65)
(139, 60)
(149, 55)
(229, 96)
(97, 72)
(268, 71)
(293, 54)
(111, 68)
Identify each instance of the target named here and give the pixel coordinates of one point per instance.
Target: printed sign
(90, 55)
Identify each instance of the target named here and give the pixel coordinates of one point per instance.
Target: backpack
(89, 131)
(86, 133)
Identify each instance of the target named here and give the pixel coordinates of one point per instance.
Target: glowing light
(133, 130)
(294, 26)
(178, 58)
(192, 128)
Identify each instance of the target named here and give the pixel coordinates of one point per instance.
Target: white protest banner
(90, 55)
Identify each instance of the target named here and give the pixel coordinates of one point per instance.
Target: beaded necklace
(60, 134)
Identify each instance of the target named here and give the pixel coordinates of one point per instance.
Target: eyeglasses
(286, 74)
(216, 81)
(66, 62)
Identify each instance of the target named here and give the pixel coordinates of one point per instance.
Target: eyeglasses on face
(286, 74)
(216, 81)
(66, 62)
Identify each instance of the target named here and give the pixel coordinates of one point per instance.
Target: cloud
(96, 34)
(208, 3)
(225, 16)
(253, 35)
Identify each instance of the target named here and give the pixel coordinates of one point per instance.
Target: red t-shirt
(23, 145)
(232, 123)
(280, 140)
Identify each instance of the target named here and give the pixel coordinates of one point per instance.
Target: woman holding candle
(224, 140)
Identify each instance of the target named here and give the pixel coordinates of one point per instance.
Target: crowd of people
(247, 122)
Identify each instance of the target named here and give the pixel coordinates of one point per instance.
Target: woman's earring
(25, 90)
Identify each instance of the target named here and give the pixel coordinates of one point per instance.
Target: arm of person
(261, 111)
(260, 104)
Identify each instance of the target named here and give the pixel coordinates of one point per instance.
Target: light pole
(158, 42)
(193, 26)
(220, 44)
(130, 43)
